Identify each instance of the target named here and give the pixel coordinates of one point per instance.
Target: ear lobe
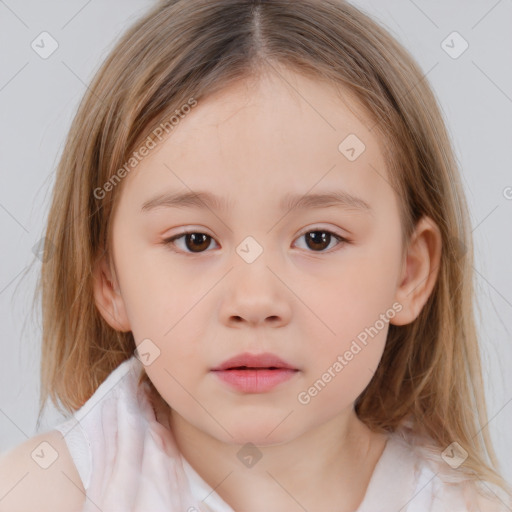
(107, 296)
(420, 271)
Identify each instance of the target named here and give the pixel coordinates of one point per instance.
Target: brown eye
(319, 240)
(195, 242)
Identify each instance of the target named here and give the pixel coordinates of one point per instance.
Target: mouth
(247, 361)
(256, 368)
(249, 373)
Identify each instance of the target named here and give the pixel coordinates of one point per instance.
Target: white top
(128, 461)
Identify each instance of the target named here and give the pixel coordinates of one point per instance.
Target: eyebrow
(337, 198)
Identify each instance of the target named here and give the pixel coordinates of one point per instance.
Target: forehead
(279, 133)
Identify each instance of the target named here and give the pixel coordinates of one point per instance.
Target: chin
(259, 433)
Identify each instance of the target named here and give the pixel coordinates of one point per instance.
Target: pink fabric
(129, 462)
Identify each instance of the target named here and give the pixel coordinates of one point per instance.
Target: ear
(419, 272)
(107, 296)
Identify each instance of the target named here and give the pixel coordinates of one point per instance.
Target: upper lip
(265, 360)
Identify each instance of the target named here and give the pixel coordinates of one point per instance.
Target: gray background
(38, 98)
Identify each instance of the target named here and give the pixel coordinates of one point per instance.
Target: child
(260, 292)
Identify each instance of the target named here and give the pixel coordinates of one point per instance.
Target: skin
(252, 143)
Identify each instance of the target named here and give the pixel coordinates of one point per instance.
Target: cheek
(342, 371)
(355, 307)
(158, 297)
(179, 367)
(354, 300)
(366, 288)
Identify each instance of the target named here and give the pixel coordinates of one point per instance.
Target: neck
(332, 463)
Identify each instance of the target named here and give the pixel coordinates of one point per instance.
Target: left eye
(321, 239)
(196, 242)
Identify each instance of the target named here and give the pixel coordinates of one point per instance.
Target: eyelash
(341, 240)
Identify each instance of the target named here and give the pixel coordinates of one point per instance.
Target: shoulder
(480, 496)
(493, 504)
(442, 485)
(40, 474)
(452, 489)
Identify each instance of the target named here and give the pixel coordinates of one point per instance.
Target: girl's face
(260, 276)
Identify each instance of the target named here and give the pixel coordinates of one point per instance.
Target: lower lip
(255, 381)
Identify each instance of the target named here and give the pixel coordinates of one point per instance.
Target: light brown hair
(430, 373)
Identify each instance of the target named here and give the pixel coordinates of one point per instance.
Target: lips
(253, 362)
(255, 373)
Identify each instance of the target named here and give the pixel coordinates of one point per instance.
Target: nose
(255, 295)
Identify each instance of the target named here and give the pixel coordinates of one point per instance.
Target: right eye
(193, 241)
